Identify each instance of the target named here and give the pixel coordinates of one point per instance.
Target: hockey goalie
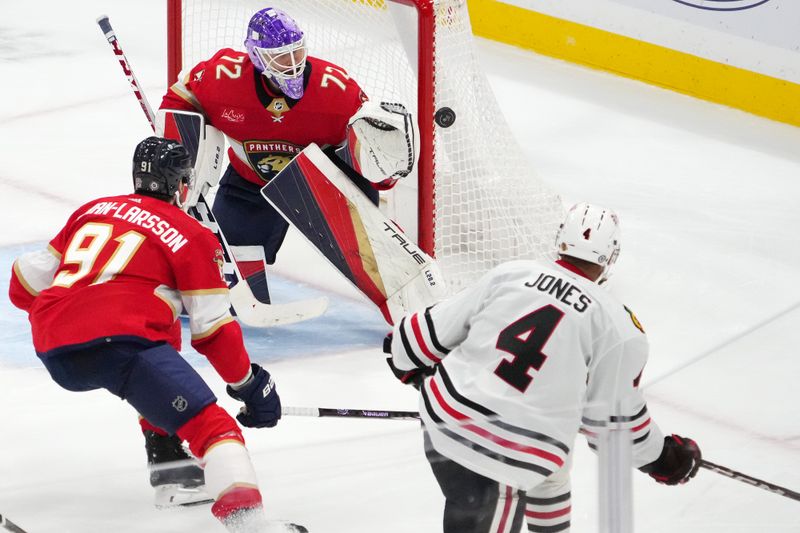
(271, 101)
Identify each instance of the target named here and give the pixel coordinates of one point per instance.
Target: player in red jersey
(271, 102)
(103, 301)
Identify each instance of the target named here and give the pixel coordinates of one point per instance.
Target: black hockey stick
(414, 415)
(10, 526)
(248, 308)
(350, 413)
(738, 476)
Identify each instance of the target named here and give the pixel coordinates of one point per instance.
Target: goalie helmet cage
(474, 200)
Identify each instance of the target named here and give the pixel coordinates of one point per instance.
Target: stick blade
(260, 315)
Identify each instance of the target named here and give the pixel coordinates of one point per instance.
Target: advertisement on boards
(773, 22)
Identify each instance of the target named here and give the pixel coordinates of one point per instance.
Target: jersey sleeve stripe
(548, 501)
(162, 293)
(53, 251)
(641, 413)
(22, 281)
(548, 515)
(421, 340)
(203, 292)
(210, 331)
(407, 345)
(432, 331)
(642, 425)
(448, 383)
(439, 425)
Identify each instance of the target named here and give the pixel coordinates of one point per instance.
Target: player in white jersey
(511, 369)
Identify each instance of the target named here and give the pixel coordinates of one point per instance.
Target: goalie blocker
(370, 250)
(205, 144)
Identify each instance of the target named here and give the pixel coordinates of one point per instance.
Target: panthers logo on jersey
(268, 158)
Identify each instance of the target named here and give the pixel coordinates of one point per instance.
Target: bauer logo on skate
(144, 219)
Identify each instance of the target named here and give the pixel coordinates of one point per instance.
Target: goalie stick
(250, 311)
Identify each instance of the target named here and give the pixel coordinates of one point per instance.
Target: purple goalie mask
(277, 48)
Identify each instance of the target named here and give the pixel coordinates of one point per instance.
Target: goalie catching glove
(381, 143)
(678, 463)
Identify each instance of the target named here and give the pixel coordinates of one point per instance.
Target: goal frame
(426, 171)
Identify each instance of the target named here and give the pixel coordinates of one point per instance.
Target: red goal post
(473, 201)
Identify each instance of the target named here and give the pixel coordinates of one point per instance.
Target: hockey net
(474, 201)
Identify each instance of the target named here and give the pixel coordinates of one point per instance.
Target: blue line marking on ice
(347, 325)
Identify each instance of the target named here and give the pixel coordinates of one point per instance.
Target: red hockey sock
(210, 425)
(147, 426)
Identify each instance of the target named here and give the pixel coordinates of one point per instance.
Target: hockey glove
(678, 462)
(413, 377)
(262, 405)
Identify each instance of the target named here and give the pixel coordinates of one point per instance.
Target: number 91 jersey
(266, 130)
(122, 267)
(525, 358)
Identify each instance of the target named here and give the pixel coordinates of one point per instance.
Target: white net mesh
(489, 205)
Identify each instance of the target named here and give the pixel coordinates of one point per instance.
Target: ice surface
(708, 199)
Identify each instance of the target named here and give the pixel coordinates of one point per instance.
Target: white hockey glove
(382, 143)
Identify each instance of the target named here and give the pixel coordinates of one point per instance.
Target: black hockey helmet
(159, 166)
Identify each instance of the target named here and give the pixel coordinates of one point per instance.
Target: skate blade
(171, 496)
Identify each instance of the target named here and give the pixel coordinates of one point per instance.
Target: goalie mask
(160, 166)
(590, 233)
(277, 48)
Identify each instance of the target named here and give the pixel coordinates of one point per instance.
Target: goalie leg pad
(352, 233)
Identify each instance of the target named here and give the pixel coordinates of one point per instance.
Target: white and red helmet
(590, 233)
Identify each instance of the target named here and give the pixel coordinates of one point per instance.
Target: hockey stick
(738, 476)
(249, 310)
(349, 413)
(414, 415)
(10, 526)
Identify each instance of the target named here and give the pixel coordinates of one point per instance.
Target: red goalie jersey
(266, 131)
(124, 267)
